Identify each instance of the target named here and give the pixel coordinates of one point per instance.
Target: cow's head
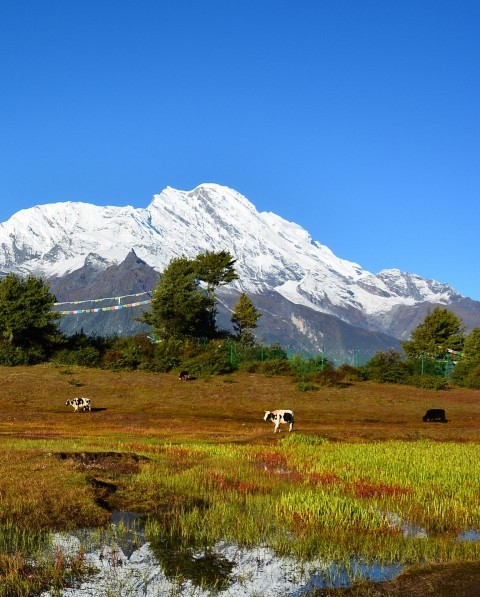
(268, 415)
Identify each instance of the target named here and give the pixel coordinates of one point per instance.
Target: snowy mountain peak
(273, 255)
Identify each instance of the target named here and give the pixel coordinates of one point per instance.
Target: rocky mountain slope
(310, 298)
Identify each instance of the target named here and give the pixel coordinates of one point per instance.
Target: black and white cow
(184, 375)
(434, 415)
(279, 416)
(79, 404)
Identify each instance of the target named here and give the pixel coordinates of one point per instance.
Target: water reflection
(407, 528)
(341, 575)
(203, 568)
(470, 535)
(129, 566)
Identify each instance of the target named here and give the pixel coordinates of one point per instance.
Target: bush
(129, 353)
(11, 356)
(243, 357)
(302, 365)
(274, 352)
(351, 373)
(167, 355)
(275, 367)
(329, 379)
(429, 382)
(306, 387)
(209, 362)
(466, 374)
(250, 366)
(473, 379)
(85, 357)
(387, 367)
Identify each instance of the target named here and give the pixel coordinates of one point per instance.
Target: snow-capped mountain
(277, 261)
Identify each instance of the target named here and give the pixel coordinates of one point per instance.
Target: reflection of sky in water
(470, 535)
(339, 576)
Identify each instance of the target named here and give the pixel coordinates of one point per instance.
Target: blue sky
(359, 120)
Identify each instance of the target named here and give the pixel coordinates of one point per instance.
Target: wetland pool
(127, 565)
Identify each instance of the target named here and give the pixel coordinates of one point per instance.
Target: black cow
(434, 415)
(184, 375)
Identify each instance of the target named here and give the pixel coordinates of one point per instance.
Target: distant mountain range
(310, 299)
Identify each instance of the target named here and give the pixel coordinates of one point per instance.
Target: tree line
(185, 334)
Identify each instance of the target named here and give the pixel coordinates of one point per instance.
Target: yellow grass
(220, 409)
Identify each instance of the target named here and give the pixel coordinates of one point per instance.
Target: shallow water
(129, 566)
(470, 535)
(252, 573)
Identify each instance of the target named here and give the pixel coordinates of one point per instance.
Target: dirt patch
(112, 462)
(105, 472)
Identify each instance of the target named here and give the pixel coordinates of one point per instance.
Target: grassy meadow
(361, 475)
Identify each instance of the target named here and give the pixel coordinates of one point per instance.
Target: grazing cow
(184, 375)
(434, 415)
(279, 416)
(79, 404)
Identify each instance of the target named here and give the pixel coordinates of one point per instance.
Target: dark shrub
(11, 356)
(466, 374)
(274, 351)
(167, 355)
(275, 367)
(329, 379)
(429, 382)
(387, 367)
(214, 359)
(351, 373)
(85, 357)
(129, 353)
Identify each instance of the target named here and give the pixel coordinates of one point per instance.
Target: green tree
(244, 319)
(467, 369)
(471, 347)
(440, 330)
(387, 367)
(180, 309)
(214, 269)
(27, 319)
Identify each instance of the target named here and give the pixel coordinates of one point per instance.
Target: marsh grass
(357, 477)
(340, 503)
(28, 567)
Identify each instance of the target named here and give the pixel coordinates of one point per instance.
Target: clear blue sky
(359, 120)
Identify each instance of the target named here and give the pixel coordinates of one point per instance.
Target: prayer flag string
(109, 298)
(100, 309)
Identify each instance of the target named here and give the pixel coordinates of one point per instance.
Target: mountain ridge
(275, 257)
